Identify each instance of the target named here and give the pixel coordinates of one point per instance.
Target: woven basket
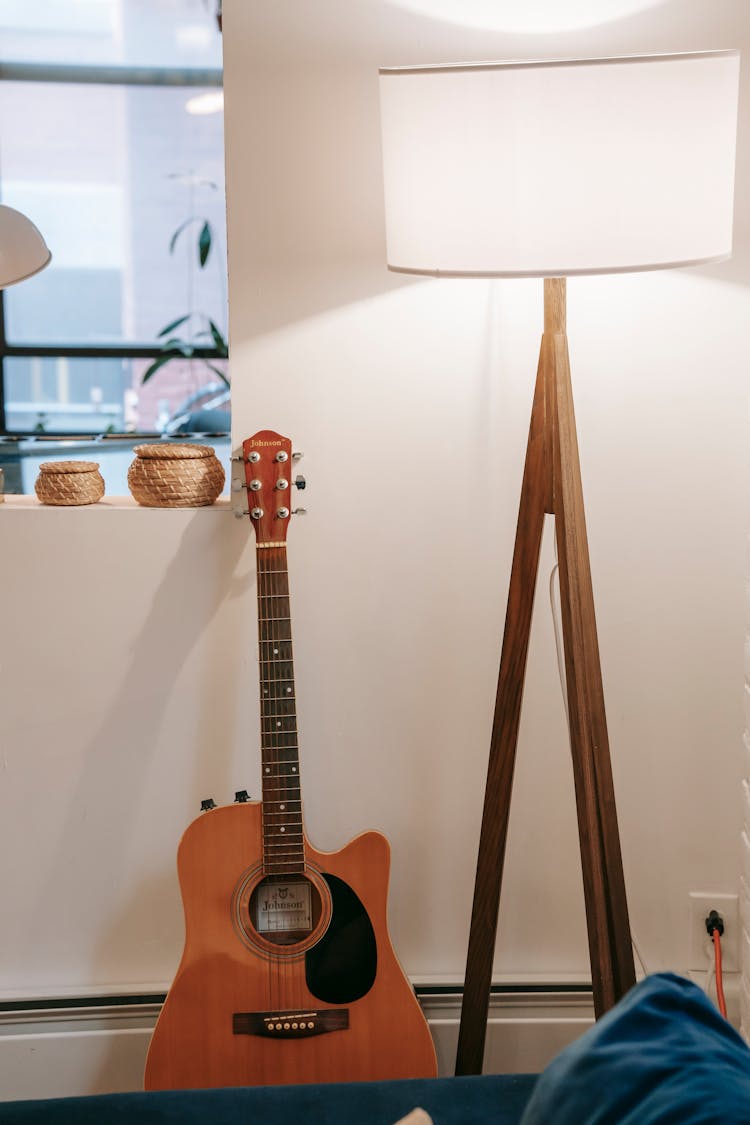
(175, 476)
(69, 482)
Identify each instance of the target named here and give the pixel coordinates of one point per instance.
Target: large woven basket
(175, 476)
(69, 482)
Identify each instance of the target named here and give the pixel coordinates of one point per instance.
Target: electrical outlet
(701, 904)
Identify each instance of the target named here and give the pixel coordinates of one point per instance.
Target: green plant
(199, 332)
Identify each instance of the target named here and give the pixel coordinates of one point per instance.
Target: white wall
(128, 645)
(411, 398)
(127, 664)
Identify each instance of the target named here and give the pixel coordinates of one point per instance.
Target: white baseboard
(64, 1051)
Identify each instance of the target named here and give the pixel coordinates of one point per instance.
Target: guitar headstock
(268, 459)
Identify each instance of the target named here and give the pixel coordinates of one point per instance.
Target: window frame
(93, 74)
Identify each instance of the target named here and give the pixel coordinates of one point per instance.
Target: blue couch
(449, 1101)
(662, 1056)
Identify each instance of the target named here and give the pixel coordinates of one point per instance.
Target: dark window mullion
(100, 351)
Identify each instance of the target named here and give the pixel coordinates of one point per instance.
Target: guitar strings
(279, 670)
(269, 766)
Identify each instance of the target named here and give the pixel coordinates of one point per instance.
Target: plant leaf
(172, 325)
(178, 232)
(183, 347)
(218, 338)
(218, 372)
(204, 243)
(154, 367)
(185, 351)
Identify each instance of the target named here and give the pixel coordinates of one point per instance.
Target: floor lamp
(551, 169)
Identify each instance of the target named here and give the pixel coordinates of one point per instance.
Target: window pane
(109, 174)
(178, 33)
(93, 396)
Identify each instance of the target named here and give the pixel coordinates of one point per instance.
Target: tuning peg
(237, 485)
(297, 456)
(299, 511)
(300, 482)
(240, 512)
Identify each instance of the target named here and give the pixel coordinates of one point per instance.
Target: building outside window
(111, 141)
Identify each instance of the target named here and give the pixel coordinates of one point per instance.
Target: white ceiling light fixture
(23, 251)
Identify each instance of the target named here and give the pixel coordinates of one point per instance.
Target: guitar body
(320, 1000)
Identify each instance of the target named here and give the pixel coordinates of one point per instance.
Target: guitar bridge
(290, 1025)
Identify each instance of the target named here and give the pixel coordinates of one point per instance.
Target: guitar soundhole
(285, 910)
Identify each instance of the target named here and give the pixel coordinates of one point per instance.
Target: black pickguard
(342, 966)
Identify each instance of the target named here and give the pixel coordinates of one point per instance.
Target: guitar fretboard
(283, 847)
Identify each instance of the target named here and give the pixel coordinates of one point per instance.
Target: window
(111, 140)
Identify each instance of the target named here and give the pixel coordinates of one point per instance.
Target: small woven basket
(175, 476)
(69, 482)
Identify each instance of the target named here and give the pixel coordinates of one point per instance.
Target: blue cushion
(494, 1098)
(663, 1054)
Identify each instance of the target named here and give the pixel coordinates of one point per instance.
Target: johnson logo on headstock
(267, 458)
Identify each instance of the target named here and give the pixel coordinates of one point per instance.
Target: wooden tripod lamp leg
(610, 946)
(551, 483)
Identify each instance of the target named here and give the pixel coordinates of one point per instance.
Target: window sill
(29, 503)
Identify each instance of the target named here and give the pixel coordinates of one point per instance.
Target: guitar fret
(283, 847)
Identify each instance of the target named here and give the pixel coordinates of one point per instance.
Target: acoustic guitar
(288, 974)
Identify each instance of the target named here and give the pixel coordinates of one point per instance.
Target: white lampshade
(546, 169)
(23, 251)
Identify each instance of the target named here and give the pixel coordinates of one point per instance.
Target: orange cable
(716, 938)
